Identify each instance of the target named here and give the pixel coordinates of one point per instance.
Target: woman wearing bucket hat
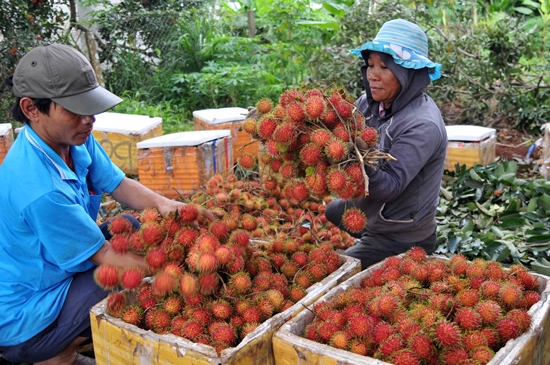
(52, 180)
(403, 194)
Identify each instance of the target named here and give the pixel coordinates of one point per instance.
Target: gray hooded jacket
(404, 194)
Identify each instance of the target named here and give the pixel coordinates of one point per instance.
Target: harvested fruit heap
(210, 284)
(316, 138)
(413, 310)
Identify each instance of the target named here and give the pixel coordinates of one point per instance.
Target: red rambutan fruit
(405, 357)
(336, 150)
(315, 107)
(156, 258)
(131, 278)
(249, 126)
(354, 220)
(340, 340)
(106, 276)
(264, 105)
(247, 161)
(490, 311)
(391, 345)
(468, 319)
(209, 283)
(164, 284)
(447, 334)
(132, 315)
(370, 136)
(115, 302)
(119, 225)
(149, 214)
(173, 305)
(188, 212)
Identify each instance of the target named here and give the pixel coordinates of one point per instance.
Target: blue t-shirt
(48, 228)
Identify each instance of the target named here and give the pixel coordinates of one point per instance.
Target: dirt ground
(513, 144)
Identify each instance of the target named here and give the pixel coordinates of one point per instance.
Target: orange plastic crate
(179, 164)
(6, 139)
(231, 119)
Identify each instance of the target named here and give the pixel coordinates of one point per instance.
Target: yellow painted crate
(119, 134)
(231, 119)
(6, 139)
(468, 145)
(179, 164)
(119, 343)
(290, 348)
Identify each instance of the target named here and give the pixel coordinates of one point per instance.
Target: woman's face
(384, 86)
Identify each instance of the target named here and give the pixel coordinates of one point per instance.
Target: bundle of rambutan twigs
(319, 136)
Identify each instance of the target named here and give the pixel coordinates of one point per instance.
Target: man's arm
(106, 255)
(137, 196)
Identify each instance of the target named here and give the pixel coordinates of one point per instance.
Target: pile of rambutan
(213, 284)
(413, 310)
(318, 139)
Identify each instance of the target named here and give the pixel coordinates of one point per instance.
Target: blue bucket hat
(406, 42)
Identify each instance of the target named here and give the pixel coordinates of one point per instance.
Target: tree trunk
(251, 24)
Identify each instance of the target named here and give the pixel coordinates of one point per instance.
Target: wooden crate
(468, 145)
(231, 119)
(290, 348)
(119, 134)
(6, 139)
(119, 343)
(179, 164)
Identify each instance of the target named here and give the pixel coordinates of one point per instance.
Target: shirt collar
(80, 159)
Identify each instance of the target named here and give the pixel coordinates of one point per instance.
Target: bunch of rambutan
(317, 136)
(412, 309)
(212, 284)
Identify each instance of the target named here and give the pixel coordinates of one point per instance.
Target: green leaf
(512, 222)
(540, 268)
(453, 243)
(544, 201)
(468, 227)
(483, 210)
(320, 24)
(539, 238)
(503, 255)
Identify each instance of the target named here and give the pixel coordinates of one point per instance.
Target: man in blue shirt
(52, 181)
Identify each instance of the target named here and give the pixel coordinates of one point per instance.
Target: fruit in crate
(415, 309)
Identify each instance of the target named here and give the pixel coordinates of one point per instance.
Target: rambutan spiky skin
(405, 357)
(284, 133)
(131, 278)
(250, 126)
(106, 276)
(224, 333)
(264, 105)
(149, 214)
(289, 96)
(354, 220)
(336, 150)
(391, 345)
(311, 154)
(132, 315)
(370, 136)
(156, 258)
(115, 303)
(468, 319)
(315, 107)
(340, 340)
(247, 161)
(152, 233)
(119, 225)
(164, 283)
(362, 325)
(188, 284)
(120, 243)
(490, 311)
(447, 334)
(508, 329)
(188, 212)
(336, 180)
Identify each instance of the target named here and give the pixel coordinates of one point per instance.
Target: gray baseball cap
(61, 73)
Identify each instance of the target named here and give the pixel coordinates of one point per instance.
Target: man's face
(63, 128)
